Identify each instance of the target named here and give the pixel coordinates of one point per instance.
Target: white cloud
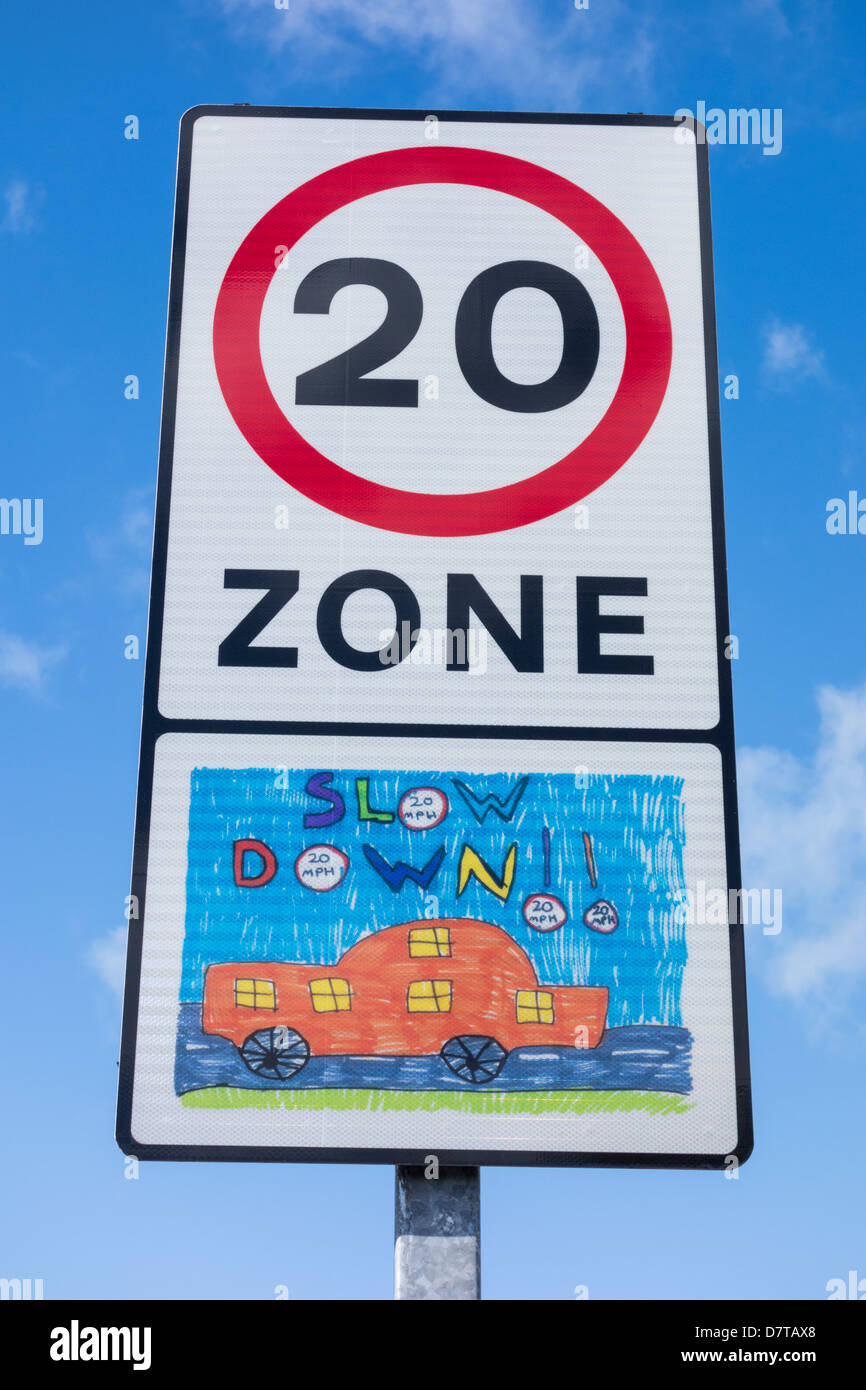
(136, 522)
(23, 664)
(803, 829)
(124, 545)
(788, 353)
(21, 199)
(464, 44)
(107, 957)
(769, 12)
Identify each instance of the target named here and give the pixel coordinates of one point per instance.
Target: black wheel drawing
(275, 1053)
(475, 1059)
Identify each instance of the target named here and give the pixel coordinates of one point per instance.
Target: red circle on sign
(638, 397)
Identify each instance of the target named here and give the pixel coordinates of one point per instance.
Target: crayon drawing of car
(455, 987)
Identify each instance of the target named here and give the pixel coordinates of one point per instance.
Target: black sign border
(154, 724)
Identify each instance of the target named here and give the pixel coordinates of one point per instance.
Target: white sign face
(437, 755)
(445, 466)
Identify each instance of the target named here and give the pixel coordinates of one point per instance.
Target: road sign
(436, 814)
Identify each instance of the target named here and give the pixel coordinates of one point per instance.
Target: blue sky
(85, 226)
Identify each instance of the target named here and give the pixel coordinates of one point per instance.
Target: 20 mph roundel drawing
(344, 380)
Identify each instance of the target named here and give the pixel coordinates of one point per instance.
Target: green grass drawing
(464, 1102)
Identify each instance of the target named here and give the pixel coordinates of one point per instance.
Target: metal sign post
(437, 1233)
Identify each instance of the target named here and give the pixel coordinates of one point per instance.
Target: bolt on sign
(436, 823)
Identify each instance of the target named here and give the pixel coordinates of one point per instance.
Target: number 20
(343, 379)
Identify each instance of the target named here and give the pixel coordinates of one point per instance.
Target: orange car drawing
(455, 987)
